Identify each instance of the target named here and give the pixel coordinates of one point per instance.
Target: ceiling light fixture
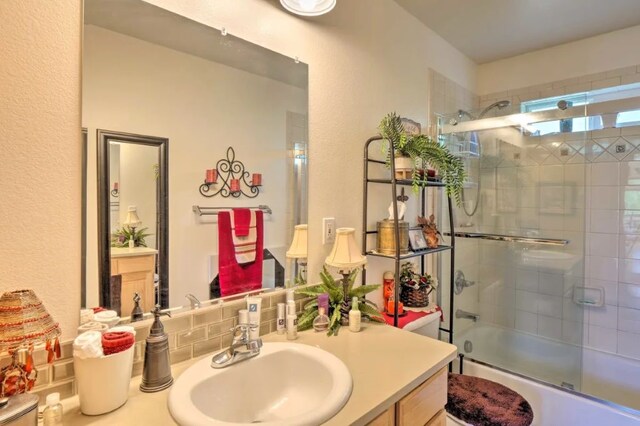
(308, 7)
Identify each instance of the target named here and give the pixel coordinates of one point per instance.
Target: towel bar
(208, 211)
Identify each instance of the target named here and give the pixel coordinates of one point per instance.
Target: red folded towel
(242, 221)
(235, 277)
(117, 341)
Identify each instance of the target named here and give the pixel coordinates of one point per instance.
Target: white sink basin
(287, 384)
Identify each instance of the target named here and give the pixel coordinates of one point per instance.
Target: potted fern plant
(422, 149)
(338, 307)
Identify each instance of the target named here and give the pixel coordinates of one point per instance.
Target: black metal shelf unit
(397, 257)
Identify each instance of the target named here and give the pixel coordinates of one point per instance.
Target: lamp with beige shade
(298, 250)
(346, 257)
(132, 221)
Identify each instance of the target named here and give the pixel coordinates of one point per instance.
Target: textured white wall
(40, 153)
(366, 58)
(576, 59)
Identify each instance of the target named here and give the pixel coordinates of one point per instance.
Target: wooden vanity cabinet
(137, 277)
(422, 406)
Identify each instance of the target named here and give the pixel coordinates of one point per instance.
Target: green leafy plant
(121, 237)
(423, 149)
(410, 278)
(338, 307)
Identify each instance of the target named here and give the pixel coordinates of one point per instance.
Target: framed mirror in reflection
(174, 95)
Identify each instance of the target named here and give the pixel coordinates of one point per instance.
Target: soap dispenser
(156, 373)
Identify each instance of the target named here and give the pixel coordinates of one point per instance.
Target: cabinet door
(388, 418)
(424, 402)
(137, 282)
(439, 420)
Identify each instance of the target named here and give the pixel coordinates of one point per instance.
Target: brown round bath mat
(482, 402)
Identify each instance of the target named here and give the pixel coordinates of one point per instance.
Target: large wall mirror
(166, 100)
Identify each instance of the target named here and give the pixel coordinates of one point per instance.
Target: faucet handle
(243, 329)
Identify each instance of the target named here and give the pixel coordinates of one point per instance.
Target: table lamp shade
(345, 253)
(25, 321)
(132, 219)
(298, 248)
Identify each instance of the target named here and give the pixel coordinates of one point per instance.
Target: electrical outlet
(328, 230)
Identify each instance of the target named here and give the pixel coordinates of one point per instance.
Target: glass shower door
(519, 284)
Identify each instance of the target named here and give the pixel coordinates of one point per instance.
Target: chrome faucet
(242, 347)
(468, 315)
(195, 303)
(461, 282)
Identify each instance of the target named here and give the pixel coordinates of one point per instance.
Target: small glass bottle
(355, 316)
(52, 414)
(321, 322)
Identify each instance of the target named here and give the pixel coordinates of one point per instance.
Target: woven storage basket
(415, 298)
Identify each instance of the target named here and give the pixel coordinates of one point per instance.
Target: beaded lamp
(24, 323)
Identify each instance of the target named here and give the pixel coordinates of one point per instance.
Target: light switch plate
(328, 230)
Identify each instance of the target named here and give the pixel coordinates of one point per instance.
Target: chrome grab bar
(509, 238)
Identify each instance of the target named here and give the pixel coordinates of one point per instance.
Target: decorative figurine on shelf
(430, 230)
(415, 288)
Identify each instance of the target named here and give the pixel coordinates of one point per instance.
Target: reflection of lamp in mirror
(346, 256)
(132, 222)
(24, 322)
(298, 249)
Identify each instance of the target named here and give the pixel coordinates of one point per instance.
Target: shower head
(462, 113)
(500, 105)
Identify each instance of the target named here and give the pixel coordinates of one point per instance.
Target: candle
(212, 176)
(235, 185)
(391, 307)
(115, 186)
(256, 180)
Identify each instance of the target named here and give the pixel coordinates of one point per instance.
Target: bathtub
(544, 372)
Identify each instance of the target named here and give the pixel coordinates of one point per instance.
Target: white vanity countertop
(386, 363)
(129, 252)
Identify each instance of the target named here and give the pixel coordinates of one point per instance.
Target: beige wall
(40, 152)
(366, 58)
(592, 55)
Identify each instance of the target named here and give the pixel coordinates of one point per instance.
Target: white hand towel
(93, 326)
(88, 345)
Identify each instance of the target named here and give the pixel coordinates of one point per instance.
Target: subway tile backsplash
(191, 334)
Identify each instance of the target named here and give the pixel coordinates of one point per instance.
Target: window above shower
(582, 124)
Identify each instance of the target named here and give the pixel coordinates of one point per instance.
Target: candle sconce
(115, 192)
(233, 177)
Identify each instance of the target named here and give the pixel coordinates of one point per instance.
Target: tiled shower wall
(584, 187)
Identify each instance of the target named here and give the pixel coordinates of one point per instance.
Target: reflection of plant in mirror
(299, 279)
(156, 171)
(121, 237)
(338, 307)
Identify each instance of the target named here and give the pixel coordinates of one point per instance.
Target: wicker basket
(415, 298)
